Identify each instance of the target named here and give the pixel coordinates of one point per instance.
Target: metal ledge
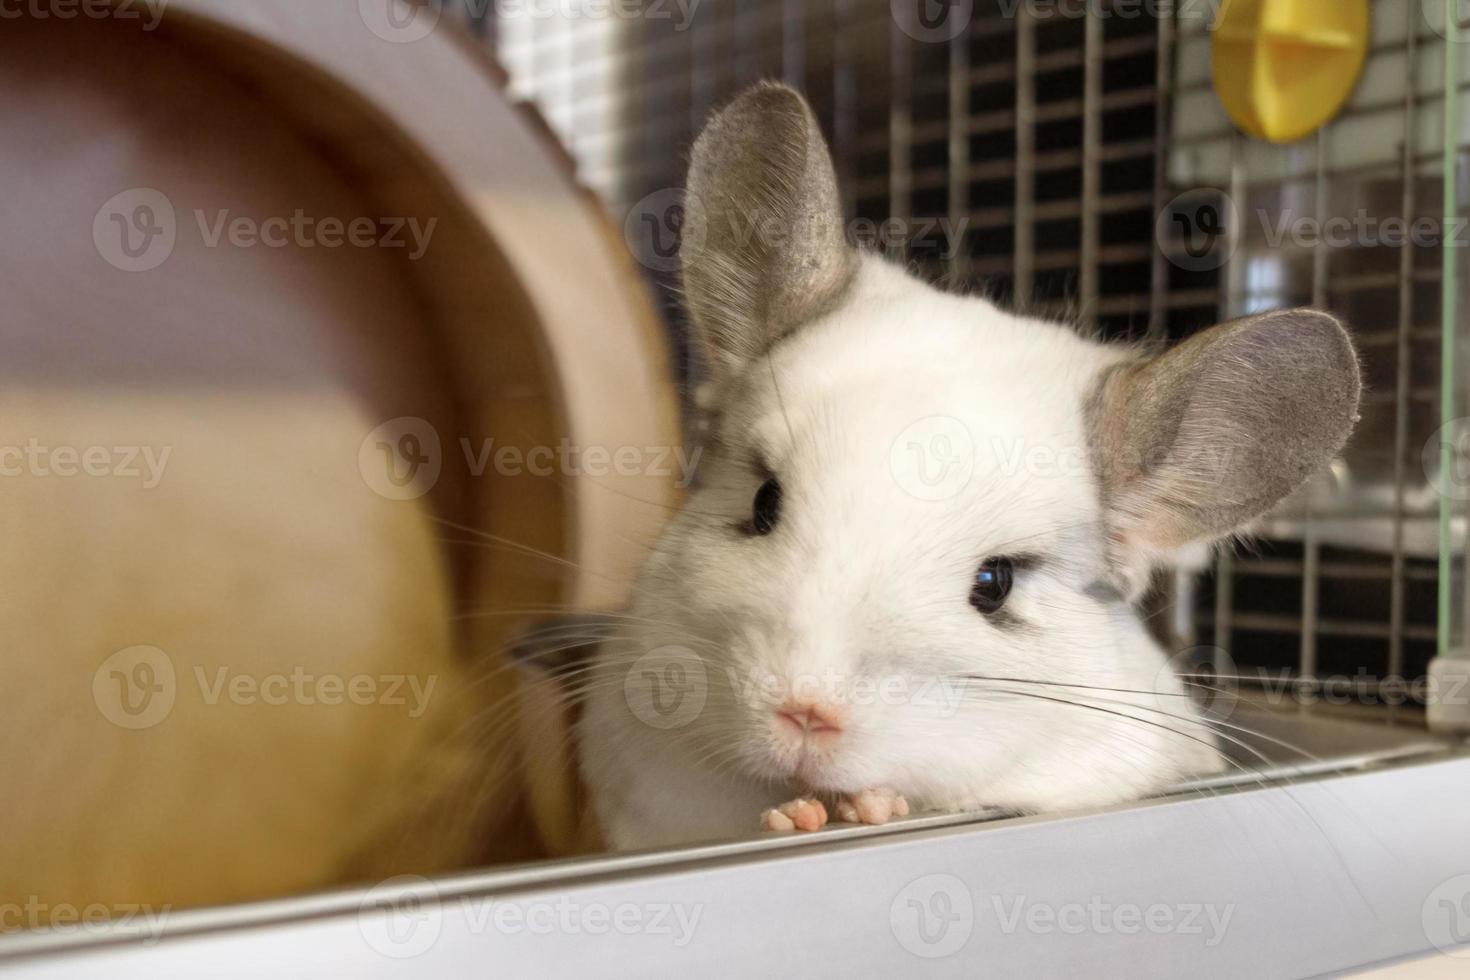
(1294, 878)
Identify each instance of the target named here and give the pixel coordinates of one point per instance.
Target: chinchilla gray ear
(1193, 444)
(762, 248)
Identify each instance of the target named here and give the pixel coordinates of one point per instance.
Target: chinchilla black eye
(766, 510)
(992, 584)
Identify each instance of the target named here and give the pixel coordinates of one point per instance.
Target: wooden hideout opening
(522, 321)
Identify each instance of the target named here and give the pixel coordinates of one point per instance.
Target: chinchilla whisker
(1199, 720)
(548, 609)
(868, 432)
(1192, 680)
(481, 675)
(507, 543)
(780, 399)
(1215, 725)
(504, 709)
(1253, 772)
(494, 541)
(516, 548)
(1120, 714)
(1086, 687)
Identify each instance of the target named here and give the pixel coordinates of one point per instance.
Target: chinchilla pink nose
(811, 717)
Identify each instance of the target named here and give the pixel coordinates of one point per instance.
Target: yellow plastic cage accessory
(1282, 68)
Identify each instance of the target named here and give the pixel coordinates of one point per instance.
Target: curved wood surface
(269, 545)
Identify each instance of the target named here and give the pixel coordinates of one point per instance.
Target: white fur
(864, 584)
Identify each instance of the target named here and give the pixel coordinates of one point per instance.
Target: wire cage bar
(1047, 140)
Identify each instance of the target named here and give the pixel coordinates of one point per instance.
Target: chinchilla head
(908, 497)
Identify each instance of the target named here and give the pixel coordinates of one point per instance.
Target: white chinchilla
(905, 572)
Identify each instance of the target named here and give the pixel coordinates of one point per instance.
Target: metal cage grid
(1063, 151)
(1045, 142)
